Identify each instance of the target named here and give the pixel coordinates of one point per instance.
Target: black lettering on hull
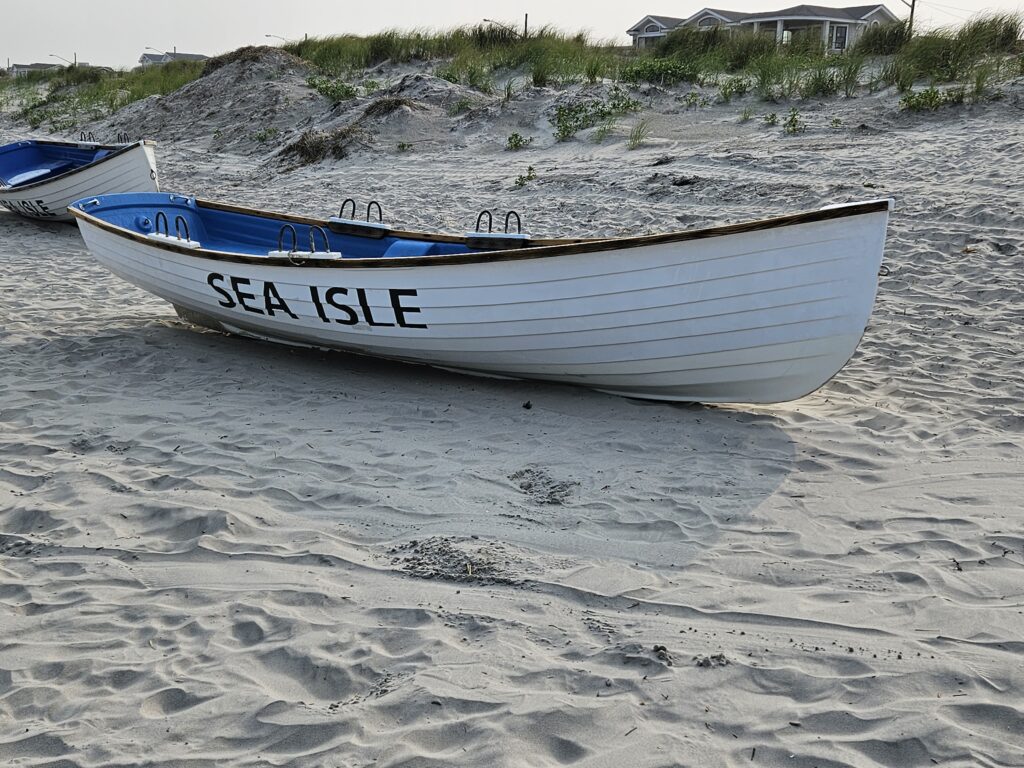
(327, 303)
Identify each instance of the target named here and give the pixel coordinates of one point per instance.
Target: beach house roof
(723, 15)
(665, 23)
(851, 13)
(650, 28)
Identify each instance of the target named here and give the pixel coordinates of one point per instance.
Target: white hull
(133, 170)
(759, 316)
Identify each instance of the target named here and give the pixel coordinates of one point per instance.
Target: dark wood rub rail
(537, 249)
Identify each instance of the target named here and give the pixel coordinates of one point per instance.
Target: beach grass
(638, 134)
(977, 55)
(65, 98)
(469, 55)
(883, 40)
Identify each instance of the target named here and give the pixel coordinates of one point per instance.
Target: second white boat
(40, 179)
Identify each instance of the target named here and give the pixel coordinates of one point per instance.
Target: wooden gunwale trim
(561, 248)
(119, 149)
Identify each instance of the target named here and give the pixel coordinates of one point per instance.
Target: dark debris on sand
(541, 488)
(463, 560)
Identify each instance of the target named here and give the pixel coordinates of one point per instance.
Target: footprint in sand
(248, 633)
(169, 701)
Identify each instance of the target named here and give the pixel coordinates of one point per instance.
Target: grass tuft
(639, 134)
(312, 146)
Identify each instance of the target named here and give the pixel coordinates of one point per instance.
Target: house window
(708, 21)
(787, 36)
(839, 32)
(651, 28)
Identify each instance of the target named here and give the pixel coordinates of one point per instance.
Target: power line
(952, 7)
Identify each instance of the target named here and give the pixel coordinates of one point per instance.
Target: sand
(215, 551)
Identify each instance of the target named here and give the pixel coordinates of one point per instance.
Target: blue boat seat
(401, 248)
(39, 173)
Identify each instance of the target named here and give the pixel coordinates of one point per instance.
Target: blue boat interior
(28, 162)
(182, 221)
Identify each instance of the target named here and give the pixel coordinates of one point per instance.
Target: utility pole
(526, 28)
(910, 23)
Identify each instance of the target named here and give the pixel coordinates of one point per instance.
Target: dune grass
(883, 40)
(65, 98)
(473, 55)
(976, 55)
(469, 55)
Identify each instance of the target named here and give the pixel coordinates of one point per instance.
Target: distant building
(839, 27)
(17, 70)
(149, 59)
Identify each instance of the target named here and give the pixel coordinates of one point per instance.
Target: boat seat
(401, 248)
(39, 173)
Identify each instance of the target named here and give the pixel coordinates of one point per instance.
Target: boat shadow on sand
(394, 451)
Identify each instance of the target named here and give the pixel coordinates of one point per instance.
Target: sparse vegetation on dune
(569, 119)
(62, 99)
(468, 55)
(973, 59)
(313, 145)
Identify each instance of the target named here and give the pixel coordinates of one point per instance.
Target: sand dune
(215, 551)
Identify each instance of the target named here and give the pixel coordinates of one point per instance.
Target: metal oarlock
(179, 224)
(490, 221)
(346, 222)
(83, 136)
(123, 138)
(295, 239)
(312, 239)
(519, 222)
(341, 213)
(167, 226)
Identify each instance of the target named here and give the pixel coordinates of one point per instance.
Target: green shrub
(793, 124)
(733, 86)
(569, 119)
(516, 142)
(335, 90)
(661, 71)
(931, 99)
(266, 134)
(523, 179)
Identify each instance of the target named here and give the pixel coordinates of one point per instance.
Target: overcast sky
(116, 33)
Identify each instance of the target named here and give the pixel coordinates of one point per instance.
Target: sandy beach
(216, 551)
